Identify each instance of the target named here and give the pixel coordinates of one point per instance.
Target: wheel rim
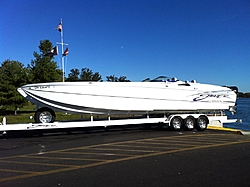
(45, 117)
(176, 123)
(202, 123)
(189, 123)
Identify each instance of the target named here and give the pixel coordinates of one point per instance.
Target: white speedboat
(162, 95)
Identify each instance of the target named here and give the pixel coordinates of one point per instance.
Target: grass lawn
(26, 113)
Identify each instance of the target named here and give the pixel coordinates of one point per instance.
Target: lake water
(243, 112)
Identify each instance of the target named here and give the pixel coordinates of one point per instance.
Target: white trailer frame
(4, 127)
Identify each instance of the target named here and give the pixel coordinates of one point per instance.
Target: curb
(240, 132)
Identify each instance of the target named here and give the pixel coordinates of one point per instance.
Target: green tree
(123, 79)
(12, 76)
(88, 75)
(113, 78)
(244, 95)
(73, 75)
(247, 94)
(43, 68)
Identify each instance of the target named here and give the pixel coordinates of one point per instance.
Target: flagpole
(62, 52)
(60, 29)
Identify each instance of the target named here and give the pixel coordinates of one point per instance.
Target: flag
(59, 27)
(53, 52)
(66, 52)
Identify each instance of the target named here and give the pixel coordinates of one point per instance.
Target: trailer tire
(176, 123)
(189, 123)
(44, 115)
(202, 122)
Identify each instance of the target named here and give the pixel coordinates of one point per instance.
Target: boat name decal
(42, 126)
(204, 96)
(39, 87)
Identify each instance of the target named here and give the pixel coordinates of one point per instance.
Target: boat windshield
(161, 79)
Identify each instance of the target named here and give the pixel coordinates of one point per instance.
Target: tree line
(13, 74)
(243, 95)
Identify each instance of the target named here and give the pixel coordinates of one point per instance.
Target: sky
(207, 41)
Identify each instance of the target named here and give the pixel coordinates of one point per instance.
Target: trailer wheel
(176, 123)
(202, 123)
(45, 115)
(189, 123)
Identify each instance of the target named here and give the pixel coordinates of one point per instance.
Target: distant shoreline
(243, 95)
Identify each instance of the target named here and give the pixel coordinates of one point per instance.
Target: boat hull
(129, 97)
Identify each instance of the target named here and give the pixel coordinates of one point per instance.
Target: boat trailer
(175, 122)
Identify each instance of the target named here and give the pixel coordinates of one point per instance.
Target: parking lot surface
(127, 157)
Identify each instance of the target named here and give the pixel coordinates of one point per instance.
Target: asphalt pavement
(126, 157)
